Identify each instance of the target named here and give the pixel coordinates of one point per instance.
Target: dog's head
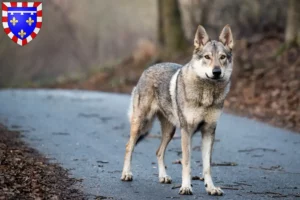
(212, 60)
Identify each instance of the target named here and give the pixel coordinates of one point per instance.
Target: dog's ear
(226, 37)
(201, 37)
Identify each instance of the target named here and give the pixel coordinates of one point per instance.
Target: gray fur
(189, 97)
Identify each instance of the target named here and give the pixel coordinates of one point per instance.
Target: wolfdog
(190, 97)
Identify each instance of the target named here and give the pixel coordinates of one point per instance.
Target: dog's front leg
(208, 137)
(186, 163)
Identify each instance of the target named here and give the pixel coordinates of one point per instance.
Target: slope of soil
(25, 174)
(267, 87)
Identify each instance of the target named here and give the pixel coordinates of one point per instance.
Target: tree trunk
(160, 32)
(170, 27)
(292, 32)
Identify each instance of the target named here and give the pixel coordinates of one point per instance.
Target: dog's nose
(217, 72)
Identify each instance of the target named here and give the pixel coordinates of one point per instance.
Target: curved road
(87, 132)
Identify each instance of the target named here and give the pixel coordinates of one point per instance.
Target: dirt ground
(25, 174)
(265, 86)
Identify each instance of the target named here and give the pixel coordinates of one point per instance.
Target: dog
(190, 97)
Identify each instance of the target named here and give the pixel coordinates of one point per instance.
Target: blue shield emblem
(22, 21)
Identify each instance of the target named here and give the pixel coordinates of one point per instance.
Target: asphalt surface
(87, 132)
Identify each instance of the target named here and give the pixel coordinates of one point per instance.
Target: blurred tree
(170, 32)
(292, 32)
(160, 34)
(195, 12)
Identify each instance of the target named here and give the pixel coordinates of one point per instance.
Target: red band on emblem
(24, 4)
(39, 24)
(7, 31)
(15, 39)
(13, 4)
(4, 7)
(36, 4)
(24, 42)
(39, 13)
(33, 35)
(4, 19)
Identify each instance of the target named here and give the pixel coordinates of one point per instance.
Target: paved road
(87, 132)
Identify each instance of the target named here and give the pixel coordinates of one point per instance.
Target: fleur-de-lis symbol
(29, 21)
(14, 21)
(22, 33)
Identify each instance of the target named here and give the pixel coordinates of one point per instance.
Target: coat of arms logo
(22, 21)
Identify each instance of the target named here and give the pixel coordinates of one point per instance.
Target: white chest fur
(174, 119)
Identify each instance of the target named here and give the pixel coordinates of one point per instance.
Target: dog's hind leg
(167, 131)
(141, 120)
(134, 134)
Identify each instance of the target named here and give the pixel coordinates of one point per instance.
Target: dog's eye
(222, 57)
(207, 57)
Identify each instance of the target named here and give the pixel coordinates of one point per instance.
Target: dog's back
(153, 89)
(158, 75)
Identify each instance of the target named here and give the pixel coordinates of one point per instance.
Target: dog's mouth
(215, 78)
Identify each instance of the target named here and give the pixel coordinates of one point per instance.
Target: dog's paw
(214, 191)
(166, 179)
(126, 176)
(186, 190)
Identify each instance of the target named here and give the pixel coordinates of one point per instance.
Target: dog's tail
(147, 124)
(132, 101)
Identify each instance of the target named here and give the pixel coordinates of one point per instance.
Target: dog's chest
(200, 106)
(202, 97)
(193, 115)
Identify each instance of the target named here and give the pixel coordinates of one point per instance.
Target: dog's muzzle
(216, 72)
